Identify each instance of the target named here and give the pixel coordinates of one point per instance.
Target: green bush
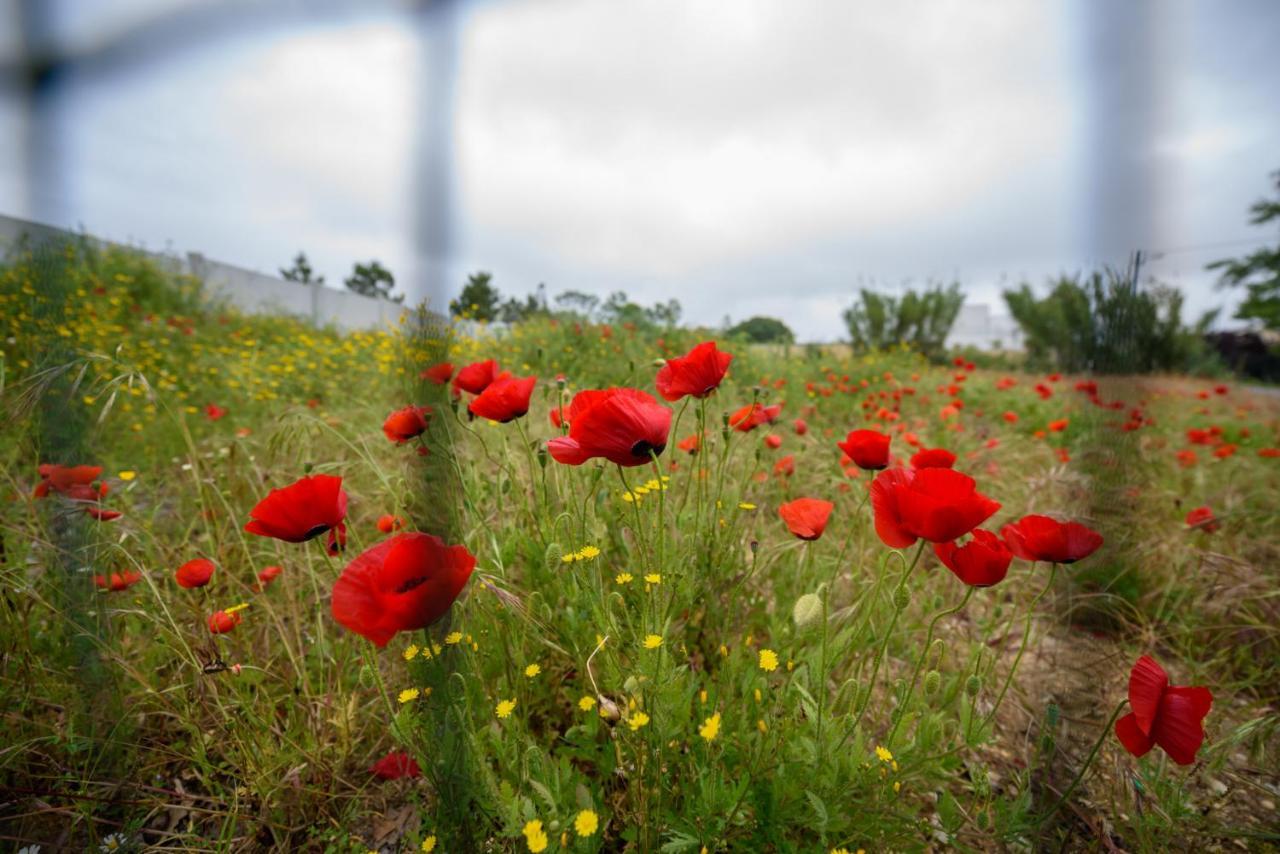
(922, 320)
(1108, 324)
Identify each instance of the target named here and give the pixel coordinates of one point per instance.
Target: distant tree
(1106, 323)
(479, 298)
(579, 303)
(301, 271)
(921, 320)
(372, 280)
(763, 330)
(665, 313)
(1259, 271)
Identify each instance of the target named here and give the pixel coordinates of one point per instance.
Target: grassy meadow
(644, 658)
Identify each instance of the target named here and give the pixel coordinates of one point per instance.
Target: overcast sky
(742, 157)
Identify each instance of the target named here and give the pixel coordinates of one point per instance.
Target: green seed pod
(554, 555)
(932, 682)
(972, 686)
(981, 783)
(901, 597)
(542, 455)
(807, 610)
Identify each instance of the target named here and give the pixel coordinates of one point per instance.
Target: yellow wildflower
(652, 641)
(586, 823)
(410, 651)
(587, 703)
(623, 578)
(883, 754)
(408, 695)
(128, 475)
(453, 638)
(429, 844)
(710, 727)
(535, 837)
(637, 720)
(768, 660)
(532, 670)
(505, 708)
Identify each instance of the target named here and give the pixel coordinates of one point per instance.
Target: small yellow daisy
(453, 638)
(587, 703)
(408, 695)
(505, 708)
(637, 720)
(768, 660)
(624, 578)
(532, 670)
(652, 641)
(429, 845)
(710, 727)
(586, 823)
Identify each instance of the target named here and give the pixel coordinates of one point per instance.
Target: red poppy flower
(774, 441)
(1203, 518)
(698, 373)
(1186, 458)
(753, 415)
(1037, 537)
(221, 622)
(301, 511)
(801, 427)
(868, 449)
(622, 425)
(336, 542)
(403, 583)
(690, 444)
(933, 458)
(1058, 426)
(405, 424)
(439, 373)
(118, 581)
(938, 505)
(476, 377)
(194, 573)
(71, 481)
(214, 412)
(268, 575)
(1225, 450)
(1168, 715)
(1269, 453)
(102, 514)
(806, 518)
(785, 467)
(503, 400)
(981, 562)
(559, 416)
(388, 523)
(395, 765)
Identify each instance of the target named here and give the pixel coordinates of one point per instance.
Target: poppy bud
(543, 456)
(932, 682)
(554, 555)
(306, 468)
(609, 710)
(807, 610)
(936, 651)
(972, 686)
(901, 597)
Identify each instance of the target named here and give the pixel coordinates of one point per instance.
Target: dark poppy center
(315, 532)
(409, 584)
(643, 448)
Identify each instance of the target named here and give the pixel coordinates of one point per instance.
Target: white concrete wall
(977, 326)
(249, 291)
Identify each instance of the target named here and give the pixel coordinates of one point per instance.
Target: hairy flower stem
(884, 644)
(1106, 729)
(1026, 634)
(915, 676)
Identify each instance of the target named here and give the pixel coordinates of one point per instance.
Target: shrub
(1108, 324)
(922, 320)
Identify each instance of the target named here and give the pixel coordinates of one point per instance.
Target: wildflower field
(580, 588)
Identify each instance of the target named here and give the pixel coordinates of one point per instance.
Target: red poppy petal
(1147, 683)
(1133, 738)
(1179, 728)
